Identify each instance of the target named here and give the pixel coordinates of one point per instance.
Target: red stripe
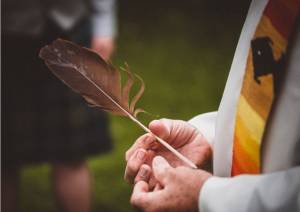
(281, 17)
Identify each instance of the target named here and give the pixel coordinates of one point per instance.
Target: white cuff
(273, 192)
(205, 123)
(220, 194)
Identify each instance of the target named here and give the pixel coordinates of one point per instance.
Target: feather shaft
(161, 141)
(100, 84)
(108, 96)
(165, 144)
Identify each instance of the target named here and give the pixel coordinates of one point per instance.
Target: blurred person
(43, 121)
(253, 139)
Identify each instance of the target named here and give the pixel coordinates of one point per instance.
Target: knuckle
(133, 165)
(141, 139)
(135, 200)
(127, 153)
(132, 169)
(138, 202)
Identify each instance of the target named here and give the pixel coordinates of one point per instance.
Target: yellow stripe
(249, 130)
(251, 119)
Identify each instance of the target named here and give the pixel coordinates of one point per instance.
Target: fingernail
(158, 160)
(141, 155)
(143, 173)
(148, 139)
(151, 141)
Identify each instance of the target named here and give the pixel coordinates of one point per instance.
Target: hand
(179, 134)
(103, 46)
(180, 188)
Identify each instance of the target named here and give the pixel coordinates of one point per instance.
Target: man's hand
(103, 46)
(179, 134)
(179, 188)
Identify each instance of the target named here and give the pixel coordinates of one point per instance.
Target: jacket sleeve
(205, 123)
(278, 191)
(104, 18)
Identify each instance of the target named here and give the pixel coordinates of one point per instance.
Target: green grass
(184, 58)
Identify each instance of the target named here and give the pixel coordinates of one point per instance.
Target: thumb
(161, 169)
(161, 128)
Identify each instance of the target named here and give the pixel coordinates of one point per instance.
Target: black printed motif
(264, 62)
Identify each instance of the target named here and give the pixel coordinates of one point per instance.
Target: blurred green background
(183, 51)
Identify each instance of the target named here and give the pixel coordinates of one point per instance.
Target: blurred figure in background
(43, 121)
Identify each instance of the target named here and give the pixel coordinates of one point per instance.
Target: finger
(150, 155)
(141, 198)
(161, 169)
(139, 194)
(146, 142)
(134, 164)
(157, 187)
(175, 132)
(161, 128)
(152, 182)
(143, 174)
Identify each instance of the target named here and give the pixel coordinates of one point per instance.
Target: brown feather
(89, 75)
(98, 82)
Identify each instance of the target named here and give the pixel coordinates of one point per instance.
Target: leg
(72, 186)
(10, 186)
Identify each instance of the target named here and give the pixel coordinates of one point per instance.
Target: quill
(98, 82)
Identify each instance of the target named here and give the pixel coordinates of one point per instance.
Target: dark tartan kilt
(42, 119)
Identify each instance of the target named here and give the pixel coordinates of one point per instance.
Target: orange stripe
(242, 163)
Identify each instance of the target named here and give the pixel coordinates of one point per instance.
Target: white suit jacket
(278, 188)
